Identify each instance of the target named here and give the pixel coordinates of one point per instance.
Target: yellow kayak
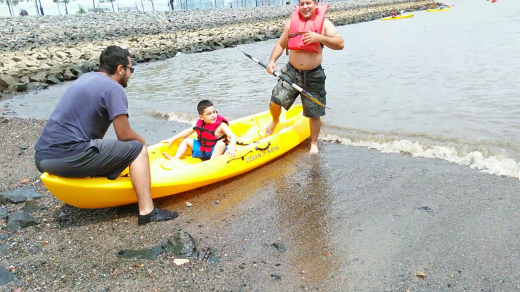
(437, 10)
(398, 17)
(175, 176)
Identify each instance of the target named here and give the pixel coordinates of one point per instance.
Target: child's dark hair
(203, 105)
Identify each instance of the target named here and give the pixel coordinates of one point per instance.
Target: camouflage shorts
(314, 82)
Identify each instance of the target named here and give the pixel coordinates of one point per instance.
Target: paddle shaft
(284, 78)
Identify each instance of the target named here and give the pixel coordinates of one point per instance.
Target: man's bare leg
(275, 110)
(141, 181)
(315, 125)
(140, 176)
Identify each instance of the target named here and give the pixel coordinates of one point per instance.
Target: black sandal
(157, 215)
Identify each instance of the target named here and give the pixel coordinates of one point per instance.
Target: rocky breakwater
(36, 52)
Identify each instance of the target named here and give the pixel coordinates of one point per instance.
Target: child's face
(209, 116)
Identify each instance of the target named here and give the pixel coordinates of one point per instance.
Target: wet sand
(350, 220)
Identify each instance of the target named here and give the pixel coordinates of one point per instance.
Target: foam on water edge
(494, 164)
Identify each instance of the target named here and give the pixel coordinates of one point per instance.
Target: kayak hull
(398, 17)
(170, 177)
(438, 10)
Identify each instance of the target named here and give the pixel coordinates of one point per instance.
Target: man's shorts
(103, 158)
(312, 80)
(196, 153)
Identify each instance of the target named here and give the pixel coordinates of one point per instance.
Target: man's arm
(123, 130)
(278, 48)
(329, 38)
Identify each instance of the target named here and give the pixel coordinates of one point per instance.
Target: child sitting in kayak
(213, 134)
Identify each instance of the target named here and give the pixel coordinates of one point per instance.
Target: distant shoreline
(40, 51)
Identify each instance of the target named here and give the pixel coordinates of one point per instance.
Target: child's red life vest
(299, 27)
(206, 134)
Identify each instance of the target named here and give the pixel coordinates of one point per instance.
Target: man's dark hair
(112, 57)
(203, 105)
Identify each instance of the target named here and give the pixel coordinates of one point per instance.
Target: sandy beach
(295, 224)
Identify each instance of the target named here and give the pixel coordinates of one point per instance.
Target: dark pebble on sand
(280, 246)
(427, 209)
(63, 217)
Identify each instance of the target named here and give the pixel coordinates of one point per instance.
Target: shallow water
(436, 85)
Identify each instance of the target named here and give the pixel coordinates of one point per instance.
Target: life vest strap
(204, 130)
(291, 36)
(203, 141)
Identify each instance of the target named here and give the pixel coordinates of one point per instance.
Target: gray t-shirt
(83, 113)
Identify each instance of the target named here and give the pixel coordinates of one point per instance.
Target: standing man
(305, 34)
(72, 144)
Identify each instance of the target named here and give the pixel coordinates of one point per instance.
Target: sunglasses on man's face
(131, 69)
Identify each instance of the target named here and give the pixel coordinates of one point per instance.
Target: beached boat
(398, 17)
(438, 10)
(175, 176)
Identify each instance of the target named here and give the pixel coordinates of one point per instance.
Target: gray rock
(17, 87)
(6, 277)
(145, 254)
(19, 195)
(37, 85)
(3, 214)
(19, 220)
(15, 73)
(45, 66)
(38, 77)
(52, 79)
(76, 70)
(30, 63)
(25, 79)
(3, 237)
(32, 207)
(147, 57)
(67, 75)
(6, 81)
(62, 55)
(181, 244)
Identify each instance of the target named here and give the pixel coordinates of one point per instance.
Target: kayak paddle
(276, 74)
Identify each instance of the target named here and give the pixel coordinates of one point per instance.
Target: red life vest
(299, 27)
(206, 134)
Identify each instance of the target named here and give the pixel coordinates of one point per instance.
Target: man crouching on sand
(72, 144)
(305, 34)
